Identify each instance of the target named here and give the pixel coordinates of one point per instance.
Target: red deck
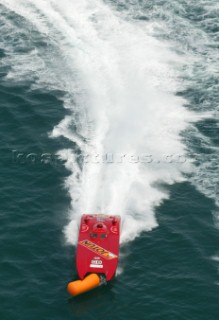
(98, 245)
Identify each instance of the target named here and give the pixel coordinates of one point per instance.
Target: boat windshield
(93, 235)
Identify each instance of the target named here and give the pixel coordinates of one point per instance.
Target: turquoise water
(126, 80)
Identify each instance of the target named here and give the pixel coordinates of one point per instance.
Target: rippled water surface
(110, 106)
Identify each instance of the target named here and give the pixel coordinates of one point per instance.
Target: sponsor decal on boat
(97, 249)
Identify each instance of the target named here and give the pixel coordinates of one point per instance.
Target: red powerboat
(97, 252)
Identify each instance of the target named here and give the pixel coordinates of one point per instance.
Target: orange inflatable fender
(80, 286)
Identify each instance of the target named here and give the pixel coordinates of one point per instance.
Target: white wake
(126, 121)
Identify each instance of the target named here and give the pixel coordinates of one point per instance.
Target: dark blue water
(169, 253)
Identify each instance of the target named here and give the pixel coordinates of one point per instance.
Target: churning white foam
(126, 120)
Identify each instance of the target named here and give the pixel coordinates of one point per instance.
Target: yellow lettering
(101, 251)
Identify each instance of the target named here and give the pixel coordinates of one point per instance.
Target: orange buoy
(80, 286)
